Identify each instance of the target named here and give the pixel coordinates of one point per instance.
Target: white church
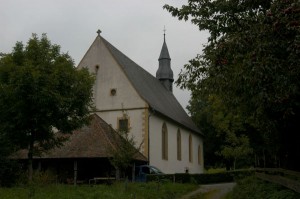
(127, 96)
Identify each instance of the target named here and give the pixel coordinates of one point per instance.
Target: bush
(210, 178)
(9, 172)
(44, 177)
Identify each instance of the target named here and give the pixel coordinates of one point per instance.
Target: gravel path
(217, 190)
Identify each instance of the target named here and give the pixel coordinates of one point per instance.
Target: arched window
(190, 148)
(164, 142)
(199, 155)
(178, 144)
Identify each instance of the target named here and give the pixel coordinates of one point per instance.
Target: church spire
(164, 73)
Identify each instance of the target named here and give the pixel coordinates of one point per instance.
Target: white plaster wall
(136, 124)
(109, 76)
(172, 165)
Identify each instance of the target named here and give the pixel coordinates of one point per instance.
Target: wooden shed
(84, 156)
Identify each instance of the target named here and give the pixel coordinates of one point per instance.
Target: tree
(224, 132)
(124, 151)
(251, 62)
(41, 92)
(236, 147)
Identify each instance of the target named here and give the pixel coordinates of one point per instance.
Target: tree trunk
(30, 159)
(117, 174)
(234, 164)
(75, 172)
(264, 156)
(133, 173)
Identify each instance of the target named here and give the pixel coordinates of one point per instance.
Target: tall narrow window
(164, 142)
(190, 148)
(199, 155)
(178, 145)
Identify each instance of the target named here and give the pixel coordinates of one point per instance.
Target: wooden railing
(286, 178)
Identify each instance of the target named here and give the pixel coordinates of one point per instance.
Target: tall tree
(251, 62)
(41, 92)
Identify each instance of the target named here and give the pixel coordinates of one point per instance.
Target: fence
(286, 178)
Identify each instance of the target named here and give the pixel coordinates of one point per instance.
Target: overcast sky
(135, 27)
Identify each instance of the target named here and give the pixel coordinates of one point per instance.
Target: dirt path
(212, 191)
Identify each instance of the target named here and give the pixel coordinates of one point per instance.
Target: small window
(113, 92)
(123, 124)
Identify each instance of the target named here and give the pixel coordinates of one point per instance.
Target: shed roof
(92, 141)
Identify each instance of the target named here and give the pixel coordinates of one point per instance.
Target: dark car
(143, 170)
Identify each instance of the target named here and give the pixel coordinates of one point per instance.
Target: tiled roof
(92, 141)
(151, 90)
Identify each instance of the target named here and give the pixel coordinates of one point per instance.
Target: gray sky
(135, 27)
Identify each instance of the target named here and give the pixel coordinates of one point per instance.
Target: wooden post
(133, 172)
(39, 166)
(75, 172)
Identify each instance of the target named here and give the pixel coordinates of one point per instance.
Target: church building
(128, 97)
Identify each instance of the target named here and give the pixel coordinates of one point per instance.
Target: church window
(164, 142)
(178, 144)
(199, 155)
(190, 148)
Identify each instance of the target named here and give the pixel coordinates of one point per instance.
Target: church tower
(164, 73)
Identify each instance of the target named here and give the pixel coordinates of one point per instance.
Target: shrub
(208, 178)
(9, 172)
(44, 177)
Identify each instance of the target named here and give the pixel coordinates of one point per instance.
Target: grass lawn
(254, 188)
(118, 190)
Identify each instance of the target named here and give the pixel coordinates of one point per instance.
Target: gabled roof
(151, 90)
(95, 140)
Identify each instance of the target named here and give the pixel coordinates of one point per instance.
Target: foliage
(124, 152)
(134, 190)
(237, 147)
(9, 169)
(252, 187)
(9, 172)
(251, 66)
(41, 92)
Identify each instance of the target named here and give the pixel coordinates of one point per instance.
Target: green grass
(206, 195)
(118, 190)
(253, 188)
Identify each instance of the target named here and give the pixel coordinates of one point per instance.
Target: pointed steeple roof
(164, 53)
(164, 72)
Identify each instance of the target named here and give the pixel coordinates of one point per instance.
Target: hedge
(221, 177)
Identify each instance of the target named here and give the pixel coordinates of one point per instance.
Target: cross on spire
(98, 32)
(164, 32)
